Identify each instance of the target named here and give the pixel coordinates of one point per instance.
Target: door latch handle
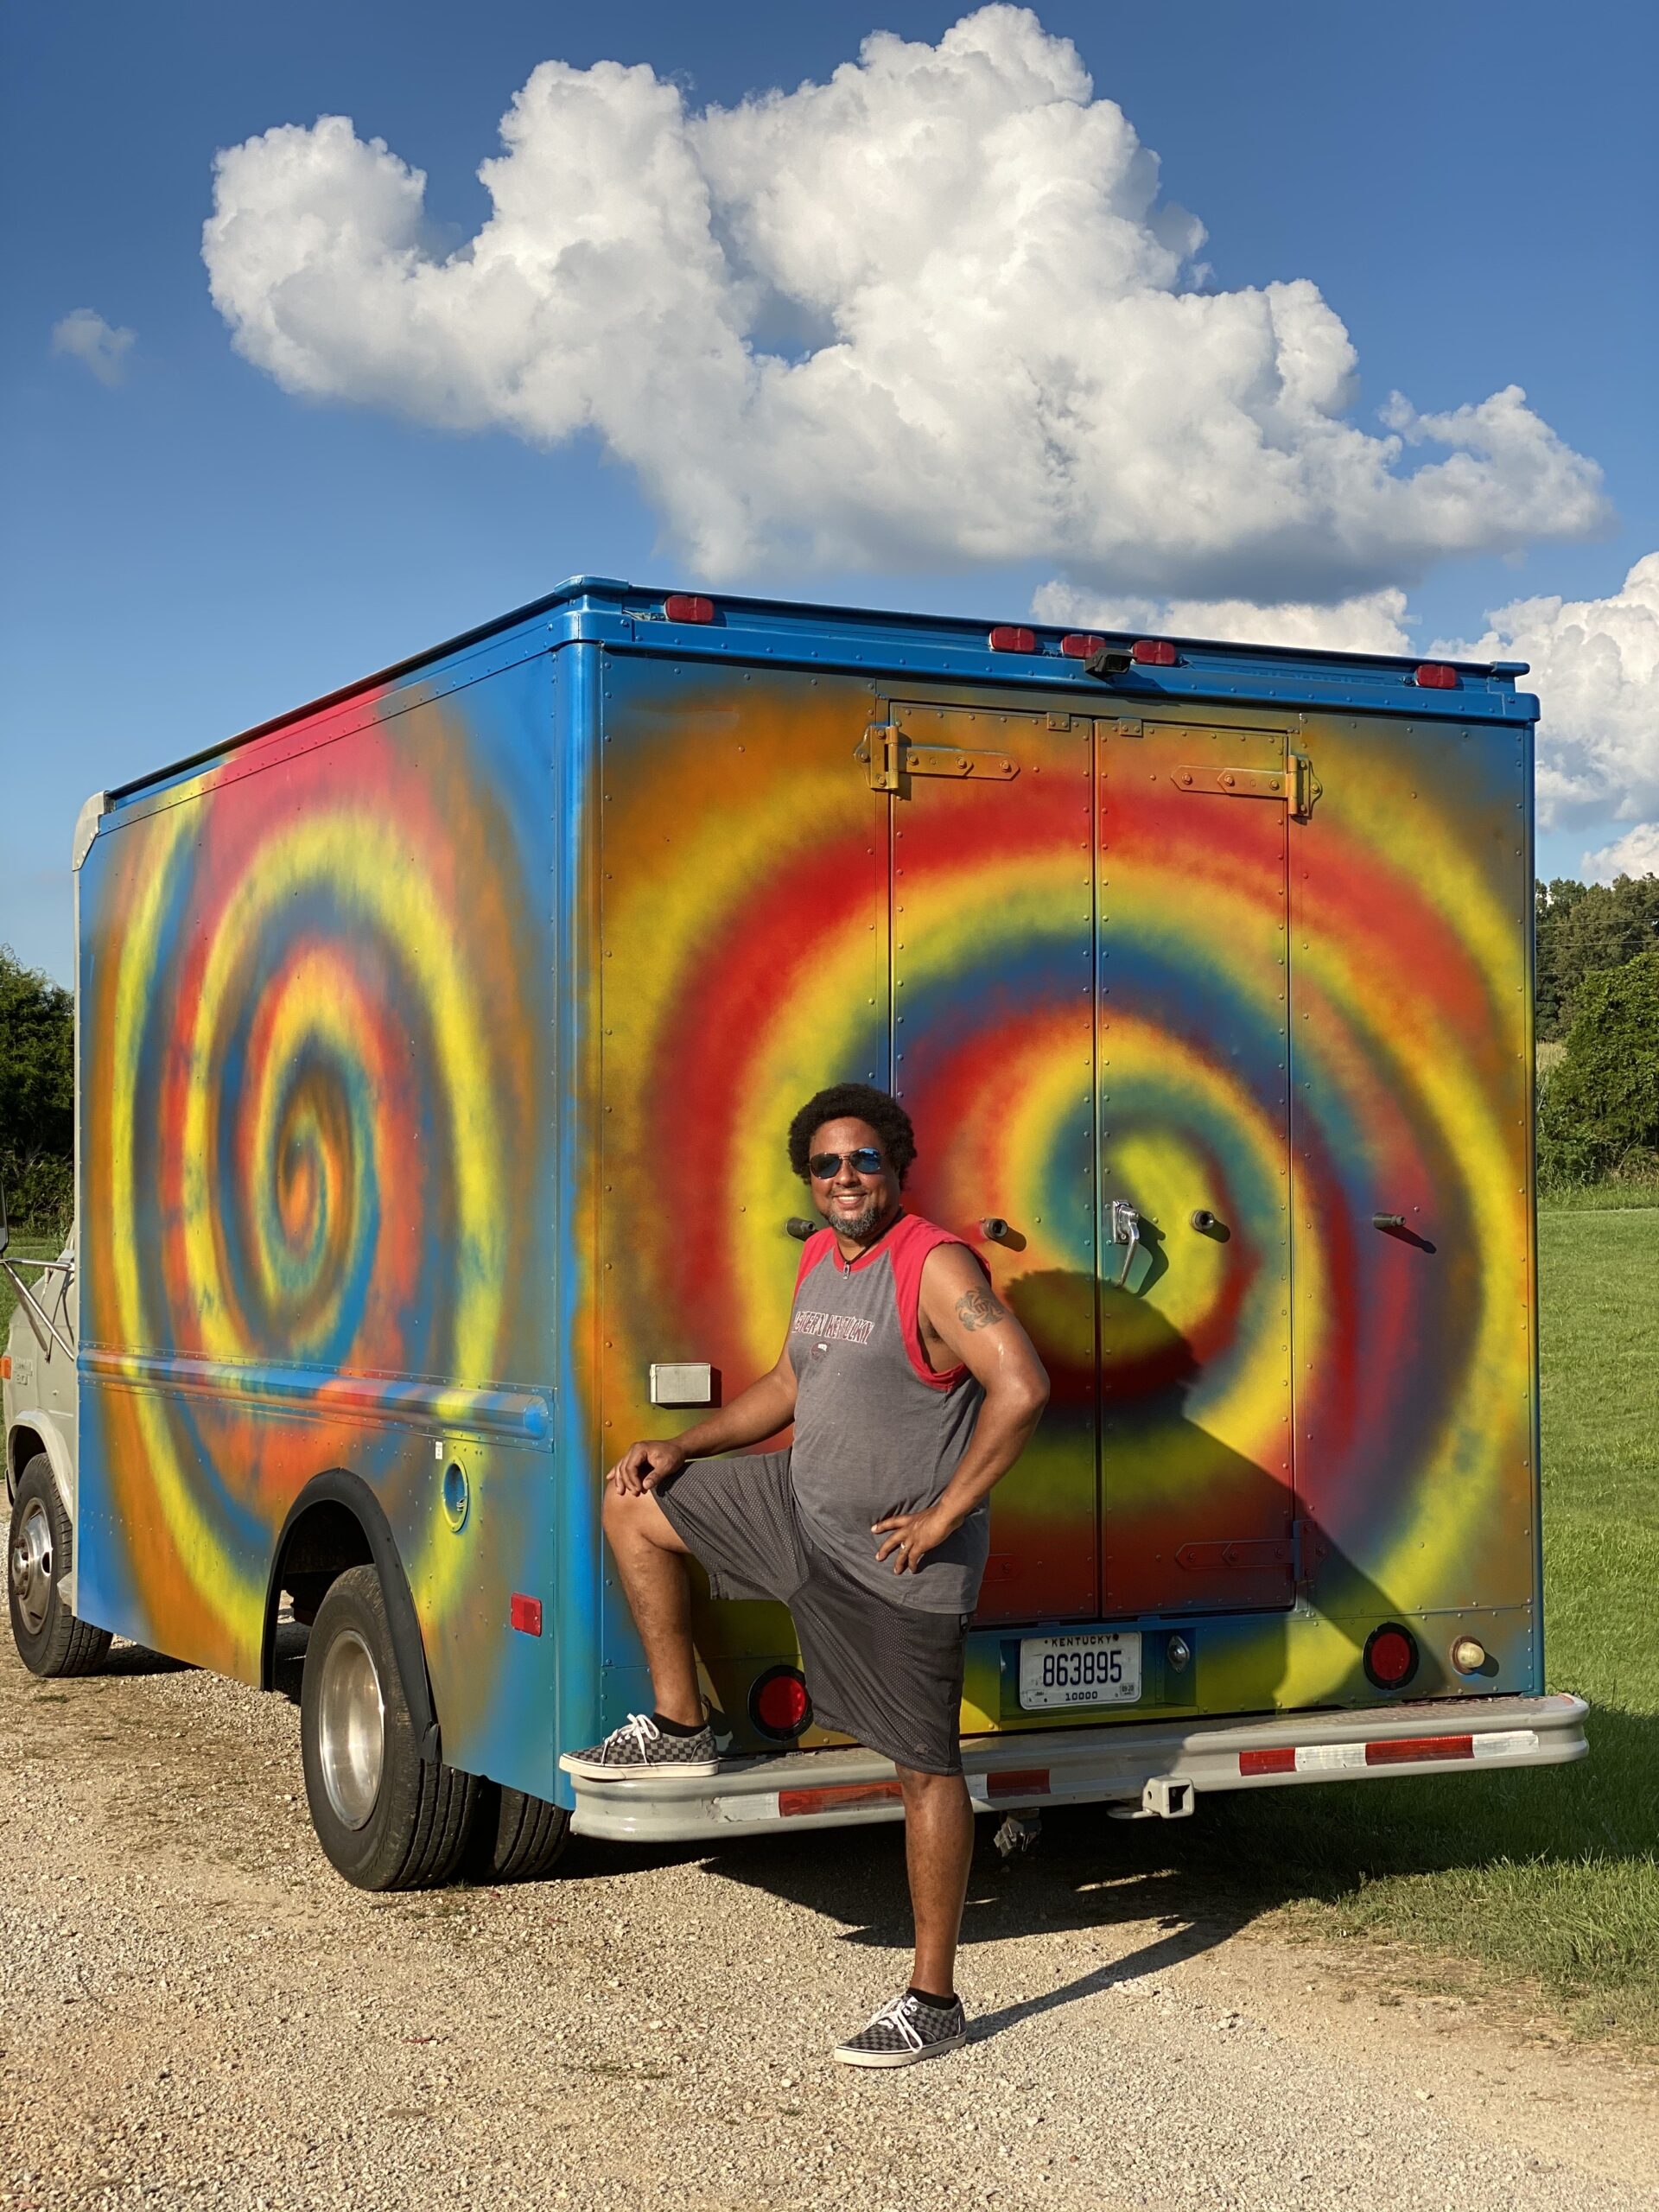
(1125, 1225)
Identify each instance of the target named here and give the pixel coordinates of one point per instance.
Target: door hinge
(890, 757)
(1294, 786)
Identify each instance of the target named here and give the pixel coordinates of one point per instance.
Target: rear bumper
(1158, 1768)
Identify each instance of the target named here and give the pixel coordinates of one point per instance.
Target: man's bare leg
(938, 1845)
(657, 1583)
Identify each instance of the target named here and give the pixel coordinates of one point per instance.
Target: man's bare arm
(961, 1310)
(755, 1414)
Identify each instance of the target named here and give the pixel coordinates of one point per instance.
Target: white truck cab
(38, 1398)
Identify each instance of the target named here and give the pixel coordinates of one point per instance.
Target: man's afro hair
(854, 1101)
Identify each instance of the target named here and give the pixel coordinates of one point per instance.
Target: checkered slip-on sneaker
(640, 1747)
(905, 2031)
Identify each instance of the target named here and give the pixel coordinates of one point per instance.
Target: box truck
(436, 1047)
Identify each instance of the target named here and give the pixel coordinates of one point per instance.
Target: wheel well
(320, 1541)
(21, 1447)
(326, 1539)
(337, 1522)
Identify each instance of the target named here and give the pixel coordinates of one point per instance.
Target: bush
(1598, 1113)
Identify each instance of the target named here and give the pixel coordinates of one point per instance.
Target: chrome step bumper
(1154, 1769)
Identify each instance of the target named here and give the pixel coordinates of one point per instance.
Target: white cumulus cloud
(1595, 667)
(1372, 624)
(1637, 853)
(930, 312)
(85, 336)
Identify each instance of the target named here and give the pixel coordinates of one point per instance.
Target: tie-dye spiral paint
(313, 1164)
(1094, 983)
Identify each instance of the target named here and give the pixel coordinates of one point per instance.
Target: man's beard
(860, 1228)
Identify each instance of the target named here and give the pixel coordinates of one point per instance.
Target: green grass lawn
(1549, 1877)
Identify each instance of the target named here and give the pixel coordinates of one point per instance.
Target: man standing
(913, 1389)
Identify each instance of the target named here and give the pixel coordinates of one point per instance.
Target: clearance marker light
(1153, 652)
(1007, 638)
(686, 606)
(1077, 645)
(1435, 676)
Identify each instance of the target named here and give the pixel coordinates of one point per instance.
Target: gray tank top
(876, 1431)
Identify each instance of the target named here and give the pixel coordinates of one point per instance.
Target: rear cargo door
(1196, 1425)
(993, 1054)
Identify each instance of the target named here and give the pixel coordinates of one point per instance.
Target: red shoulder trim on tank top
(817, 1248)
(908, 1246)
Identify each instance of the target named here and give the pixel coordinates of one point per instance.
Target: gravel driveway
(198, 2011)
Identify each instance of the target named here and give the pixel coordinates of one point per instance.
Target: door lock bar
(1125, 1224)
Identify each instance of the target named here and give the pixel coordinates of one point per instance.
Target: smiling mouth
(855, 1213)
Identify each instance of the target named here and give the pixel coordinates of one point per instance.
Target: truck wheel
(516, 1837)
(386, 1818)
(50, 1641)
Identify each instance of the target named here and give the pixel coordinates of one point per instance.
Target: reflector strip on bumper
(1387, 1751)
(836, 1797)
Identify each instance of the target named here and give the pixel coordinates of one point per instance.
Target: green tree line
(1598, 1002)
(37, 1098)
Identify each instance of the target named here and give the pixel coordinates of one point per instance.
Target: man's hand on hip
(642, 1466)
(912, 1536)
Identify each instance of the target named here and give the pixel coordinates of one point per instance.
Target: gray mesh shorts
(888, 1674)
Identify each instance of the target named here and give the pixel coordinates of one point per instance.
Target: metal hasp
(891, 756)
(1125, 1231)
(1295, 787)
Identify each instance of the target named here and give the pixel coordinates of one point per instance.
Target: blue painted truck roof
(876, 641)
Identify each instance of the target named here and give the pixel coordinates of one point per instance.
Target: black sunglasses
(867, 1161)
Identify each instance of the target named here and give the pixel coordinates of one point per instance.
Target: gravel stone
(194, 2010)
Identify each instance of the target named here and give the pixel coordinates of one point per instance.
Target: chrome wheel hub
(351, 1729)
(31, 1566)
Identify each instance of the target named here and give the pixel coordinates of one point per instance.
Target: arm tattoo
(981, 1309)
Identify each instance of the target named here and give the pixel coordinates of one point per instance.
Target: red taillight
(1153, 652)
(778, 1704)
(1077, 645)
(1391, 1656)
(686, 606)
(1007, 639)
(1435, 676)
(526, 1613)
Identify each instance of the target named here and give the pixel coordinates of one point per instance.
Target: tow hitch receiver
(1163, 1798)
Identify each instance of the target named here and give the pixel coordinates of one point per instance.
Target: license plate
(1100, 1666)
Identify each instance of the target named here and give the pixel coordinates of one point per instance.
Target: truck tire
(50, 1641)
(516, 1837)
(386, 1818)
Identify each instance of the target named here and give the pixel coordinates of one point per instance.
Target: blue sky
(189, 547)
